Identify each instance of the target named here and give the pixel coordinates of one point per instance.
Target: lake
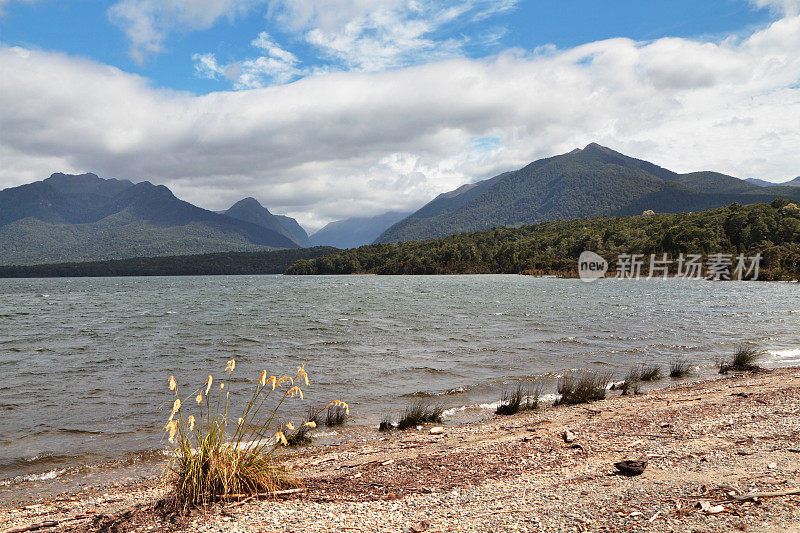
(85, 361)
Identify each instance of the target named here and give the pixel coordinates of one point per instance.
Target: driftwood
(751, 495)
(34, 527)
(265, 494)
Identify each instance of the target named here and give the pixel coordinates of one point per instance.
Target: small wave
(786, 356)
(52, 474)
(494, 405)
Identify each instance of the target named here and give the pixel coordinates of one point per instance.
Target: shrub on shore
(335, 416)
(632, 382)
(650, 373)
(519, 399)
(216, 456)
(679, 369)
(386, 424)
(418, 413)
(743, 360)
(582, 387)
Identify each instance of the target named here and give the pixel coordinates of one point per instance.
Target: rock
(631, 467)
(711, 509)
(568, 436)
(419, 528)
(772, 465)
(438, 430)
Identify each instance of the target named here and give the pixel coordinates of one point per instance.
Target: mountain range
(594, 181)
(354, 232)
(84, 217)
(763, 183)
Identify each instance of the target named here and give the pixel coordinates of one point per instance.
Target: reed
(743, 360)
(519, 399)
(335, 416)
(582, 387)
(418, 413)
(679, 369)
(216, 454)
(632, 383)
(650, 373)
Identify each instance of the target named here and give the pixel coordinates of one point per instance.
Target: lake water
(84, 363)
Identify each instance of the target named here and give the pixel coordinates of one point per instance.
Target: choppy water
(84, 363)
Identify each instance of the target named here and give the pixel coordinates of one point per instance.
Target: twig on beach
(35, 527)
(265, 494)
(752, 495)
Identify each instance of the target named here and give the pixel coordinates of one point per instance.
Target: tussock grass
(743, 360)
(216, 455)
(418, 413)
(386, 424)
(632, 383)
(679, 369)
(650, 373)
(335, 416)
(519, 399)
(582, 387)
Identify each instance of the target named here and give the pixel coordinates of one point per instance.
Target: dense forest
(773, 230)
(274, 262)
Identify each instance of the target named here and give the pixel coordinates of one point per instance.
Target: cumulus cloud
(147, 23)
(359, 143)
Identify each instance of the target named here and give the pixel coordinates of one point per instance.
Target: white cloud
(783, 7)
(276, 66)
(148, 22)
(372, 35)
(350, 143)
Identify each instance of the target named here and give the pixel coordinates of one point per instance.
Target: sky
(326, 109)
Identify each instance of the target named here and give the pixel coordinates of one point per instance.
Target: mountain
(84, 217)
(761, 183)
(353, 232)
(594, 181)
(250, 210)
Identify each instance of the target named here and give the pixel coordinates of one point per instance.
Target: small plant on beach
(632, 382)
(743, 360)
(386, 424)
(418, 413)
(582, 387)
(335, 416)
(519, 399)
(650, 373)
(218, 457)
(679, 369)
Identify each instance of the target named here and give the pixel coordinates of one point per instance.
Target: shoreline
(517, 471)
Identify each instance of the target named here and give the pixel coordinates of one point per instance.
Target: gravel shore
(706, 443)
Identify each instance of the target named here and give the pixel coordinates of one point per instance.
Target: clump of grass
(679, 369)
(650, 373)
(386, 424)
(582, 387)
(335, 416)
(632, 383)
(743, 360)
(418, 413)
(519, 399)
(216, 455)
(300, 436)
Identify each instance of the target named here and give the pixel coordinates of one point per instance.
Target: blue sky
(87, 28)
(325, 109)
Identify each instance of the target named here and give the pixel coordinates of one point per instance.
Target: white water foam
(52, 474)
(785, 356)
